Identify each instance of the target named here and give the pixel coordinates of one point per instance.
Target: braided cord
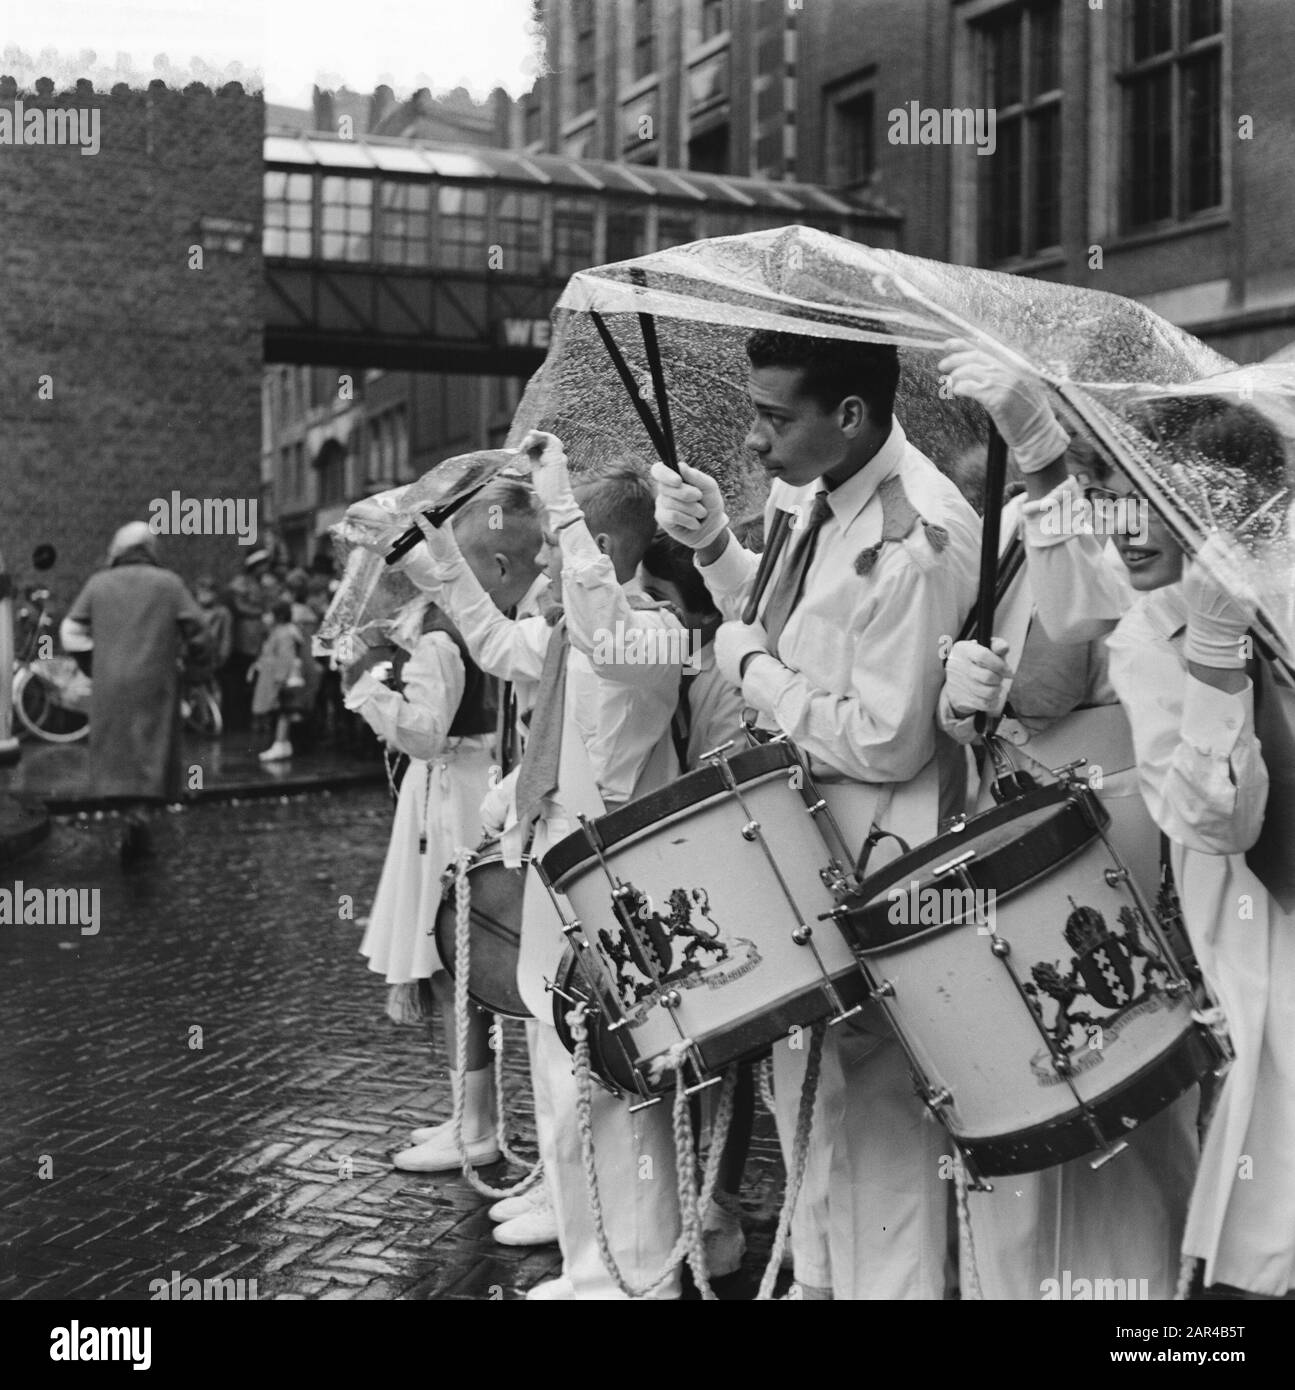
(799, 1156)
(971, 1290)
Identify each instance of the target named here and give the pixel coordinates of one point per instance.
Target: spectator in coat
(140, 619)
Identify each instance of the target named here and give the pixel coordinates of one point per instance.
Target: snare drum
(698, 912)
(1036, 995)
(496, 929)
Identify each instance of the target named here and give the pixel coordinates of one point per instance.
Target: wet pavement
(209, 1088)
(214, 770)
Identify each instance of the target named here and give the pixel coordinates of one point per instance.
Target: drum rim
(1182, 1064)
(693, 788)
(726, 1046)
(856, 921)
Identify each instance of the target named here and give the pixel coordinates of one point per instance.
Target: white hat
(133, 534)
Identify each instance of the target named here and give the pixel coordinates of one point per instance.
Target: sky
(286, 45)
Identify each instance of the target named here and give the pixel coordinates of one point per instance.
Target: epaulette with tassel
(898, 517)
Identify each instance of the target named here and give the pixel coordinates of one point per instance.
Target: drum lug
(1067, 772)
(958, 824)
(572, 999)
(1114, 877)
(936, 1099)
(843, 1015)
(1000, 946)
(1115, 1150)
(885, 990)
(802, 935)
(751, 830)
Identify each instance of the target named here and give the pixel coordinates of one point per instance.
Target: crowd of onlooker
(261, 624)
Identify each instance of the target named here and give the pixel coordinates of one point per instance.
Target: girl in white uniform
(443, 721)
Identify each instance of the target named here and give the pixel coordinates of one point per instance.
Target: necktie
(538, 776)
(681, 725)
(790, 584)
(1270, 858)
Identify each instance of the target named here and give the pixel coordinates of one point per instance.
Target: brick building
(127, 372)
(1146, 147)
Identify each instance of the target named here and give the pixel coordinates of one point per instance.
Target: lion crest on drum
(650, 952)
(1103, 981)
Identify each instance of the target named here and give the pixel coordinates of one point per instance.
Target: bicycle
(200, 709)
(51, 694)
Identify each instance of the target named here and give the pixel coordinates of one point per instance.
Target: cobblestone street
(209, 1086)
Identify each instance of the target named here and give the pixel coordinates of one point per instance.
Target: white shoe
(276, 753)
(561, 1287)
(439, 1156)
(536, 1227)
(512, 1207)
(442, 1131)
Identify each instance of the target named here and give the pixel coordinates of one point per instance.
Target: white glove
(733, 641)
(438, 561)
(977, 679)
(497, 806)
(689, 505)
(550, 478)
(1221, 606)
(1016, 404)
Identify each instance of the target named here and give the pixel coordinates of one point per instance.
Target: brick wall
(155, 367)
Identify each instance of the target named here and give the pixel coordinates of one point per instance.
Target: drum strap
(1270, 858)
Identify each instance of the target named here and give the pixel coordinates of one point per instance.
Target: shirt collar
(1166, 609)
(848, 500)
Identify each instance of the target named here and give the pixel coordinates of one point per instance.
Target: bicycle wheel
(40, 712)
(201, 712)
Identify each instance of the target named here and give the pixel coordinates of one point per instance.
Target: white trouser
(881, 1216)
(636, 1176)
(1121, 1221)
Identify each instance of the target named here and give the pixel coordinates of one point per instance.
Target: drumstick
(995, 476)
(777, 539)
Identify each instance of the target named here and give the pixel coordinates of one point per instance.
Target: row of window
(385, 448)
(393, 222)
(1171, 95)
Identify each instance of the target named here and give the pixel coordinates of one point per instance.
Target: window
(1172, 97)
(850, 151)
(461, 228)
(405, 232)
(346, 213)
(708, 82)
(573, 235)
(708, 153)
(517, 228)
(674, 228)
(586, 91)
(644, 38)
(1020, 197)
(714, 18)
(626, 234)
(289, 212)
(330, 473)
(532, 122)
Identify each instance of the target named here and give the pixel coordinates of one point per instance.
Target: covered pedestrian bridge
(407, 255)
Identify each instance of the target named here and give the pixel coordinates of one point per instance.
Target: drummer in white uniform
(1126, 1217)
(846, 660)
(611, 728)
(1181, 663)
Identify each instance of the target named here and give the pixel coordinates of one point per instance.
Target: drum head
(691, 790)
(495, 936)
(606, 1057)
